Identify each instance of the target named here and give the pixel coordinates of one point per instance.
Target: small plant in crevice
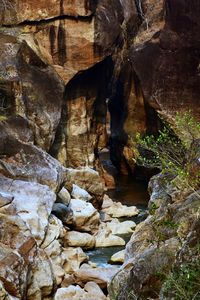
(168, 153)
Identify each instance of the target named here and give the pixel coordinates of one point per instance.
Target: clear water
(128, 192)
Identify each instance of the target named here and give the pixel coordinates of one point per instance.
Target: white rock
(118, 257)
(117, 210)
(64, 196)
(33, 202)
(79, 193)
(94, 290)
(86, 217)
(79, 239)
(105, 238)
(69, 293)
(100, 276)
(118, 227)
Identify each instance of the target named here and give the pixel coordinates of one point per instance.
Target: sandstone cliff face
(63, 65)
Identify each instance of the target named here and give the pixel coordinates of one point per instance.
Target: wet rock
(105, 238)
(79, 239)
(86, 217)
(100, 276)
(118, 257)
(73, 258)
(79, 193)
(64, 196)
(63, 212)
(117, 210)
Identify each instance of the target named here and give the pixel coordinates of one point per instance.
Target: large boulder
(25, 161)
(33, 202)
(101, 276)
(86, 217)
(105, 238)
(79, 239)
(118, 210)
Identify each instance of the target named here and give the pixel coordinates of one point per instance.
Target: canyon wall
(63, 65)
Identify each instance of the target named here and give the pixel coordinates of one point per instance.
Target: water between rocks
(127, 192)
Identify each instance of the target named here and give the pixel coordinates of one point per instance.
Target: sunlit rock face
(19, 11)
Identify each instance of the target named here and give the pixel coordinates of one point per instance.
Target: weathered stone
(86, 217)
(93, 289)
(117, 210)
(101, 276)
(117, 227)
(79, 239)
(64, 196)
(118, 257)
(33, 202)
(63, 212)
(79, 193)
(73, 257)
(5, 198)
(20, 11)
(41, 277)
(87, 179)
(54, 231)
(105, 238)
(26, 161)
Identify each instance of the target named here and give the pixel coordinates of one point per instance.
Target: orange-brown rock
(18, 11)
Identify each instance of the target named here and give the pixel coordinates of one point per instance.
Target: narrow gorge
(99, 149)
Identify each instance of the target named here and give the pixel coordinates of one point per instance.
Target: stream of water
(128, 192)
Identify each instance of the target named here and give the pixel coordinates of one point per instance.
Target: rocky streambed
(97, 239)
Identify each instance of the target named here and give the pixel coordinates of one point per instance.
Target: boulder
(100, 276)
(117, 210)
(118, 227)
(79, 193)
(79, 239)
(27, 162)
(94, 290)
(105, 238)
(73, 258)
(63, 212)
(118, 257)
(64, 196)
(89, 180)
(86, 217)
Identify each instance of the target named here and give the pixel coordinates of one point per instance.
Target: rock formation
(67, 68)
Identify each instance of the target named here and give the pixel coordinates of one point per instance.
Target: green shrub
(168, 153)
(184, 283)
